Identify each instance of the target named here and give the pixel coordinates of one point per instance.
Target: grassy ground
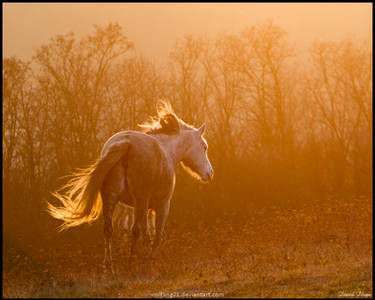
(304, 253)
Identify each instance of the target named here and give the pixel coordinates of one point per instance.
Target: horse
(136, 168)
(123, 219)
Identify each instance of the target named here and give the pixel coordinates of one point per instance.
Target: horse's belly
(163, 192)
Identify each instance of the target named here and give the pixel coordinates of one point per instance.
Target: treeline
(284, 128)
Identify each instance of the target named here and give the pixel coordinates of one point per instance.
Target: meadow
(288, 212)
(312, 252)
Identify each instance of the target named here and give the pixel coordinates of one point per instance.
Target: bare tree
(341, 87)
(136, 85)
(265, 64)
(186, 77)
(73, 75)
(15, 89)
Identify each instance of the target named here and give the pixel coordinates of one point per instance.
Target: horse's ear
(170, 123)
(202, 129)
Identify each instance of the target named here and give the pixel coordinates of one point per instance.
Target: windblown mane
(165, 121)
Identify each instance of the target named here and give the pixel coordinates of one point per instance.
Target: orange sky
(154, 27)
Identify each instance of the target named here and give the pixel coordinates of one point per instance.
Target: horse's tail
(81, 199)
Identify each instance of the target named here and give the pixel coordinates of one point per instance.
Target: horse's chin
(192, 173)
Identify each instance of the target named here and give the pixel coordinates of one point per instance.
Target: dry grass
(325, 252)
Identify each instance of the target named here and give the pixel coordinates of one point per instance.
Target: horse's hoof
(108, 270)
(109, 274)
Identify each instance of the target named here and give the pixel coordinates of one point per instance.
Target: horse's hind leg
(108, 208)
(139, 225)
(111, 190)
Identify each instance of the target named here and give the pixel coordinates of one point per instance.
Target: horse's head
(184, 142)
(195, 158)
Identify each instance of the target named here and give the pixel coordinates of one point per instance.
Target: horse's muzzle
(206, 177)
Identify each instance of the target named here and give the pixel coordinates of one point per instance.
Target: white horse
(136, 168)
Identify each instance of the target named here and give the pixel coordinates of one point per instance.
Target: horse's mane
(165, 121)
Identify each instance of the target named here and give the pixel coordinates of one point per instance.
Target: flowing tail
(81, 200)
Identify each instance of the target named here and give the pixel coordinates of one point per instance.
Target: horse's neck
(174, 146)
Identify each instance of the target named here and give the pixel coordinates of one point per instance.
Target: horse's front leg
(161, 216)
(151, 231)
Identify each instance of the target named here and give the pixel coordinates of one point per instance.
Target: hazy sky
(154, 27)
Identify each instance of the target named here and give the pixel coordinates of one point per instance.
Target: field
(273, 253)
(288, 128)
